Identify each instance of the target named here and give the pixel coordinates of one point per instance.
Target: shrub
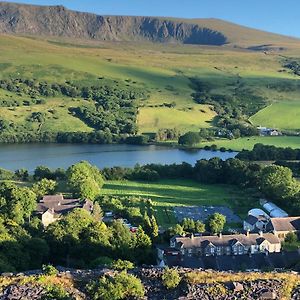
(171, 278)
(49, 270)
(117, 287)
(122, 265)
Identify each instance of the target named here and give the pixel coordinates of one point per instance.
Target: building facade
(282, 226)
(237, 244)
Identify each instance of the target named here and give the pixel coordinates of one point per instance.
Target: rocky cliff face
(60, 22)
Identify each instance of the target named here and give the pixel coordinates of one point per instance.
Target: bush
(122, 265)
(49, 270)
(171, 278)
(56, 293)
(117, 287)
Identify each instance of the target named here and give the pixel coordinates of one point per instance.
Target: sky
(278, 16)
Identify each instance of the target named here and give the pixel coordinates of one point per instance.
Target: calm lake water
(29, 156)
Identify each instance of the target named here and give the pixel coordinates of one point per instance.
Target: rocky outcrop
(61, 22)
(261, 289)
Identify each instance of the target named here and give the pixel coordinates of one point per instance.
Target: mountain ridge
(58, 21)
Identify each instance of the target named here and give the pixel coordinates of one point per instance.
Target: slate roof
(285, 224)
(251, 220)
(56, 204)
(225, 240)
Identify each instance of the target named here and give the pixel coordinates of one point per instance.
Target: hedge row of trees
(262, 152)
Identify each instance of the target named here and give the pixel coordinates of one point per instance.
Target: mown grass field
(282, 115)
(169, 193)
(248, 143)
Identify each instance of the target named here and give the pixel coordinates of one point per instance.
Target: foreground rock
(264, 286)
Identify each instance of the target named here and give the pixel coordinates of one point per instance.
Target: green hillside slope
(163, 75)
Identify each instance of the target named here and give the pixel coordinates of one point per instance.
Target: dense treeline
(97, 137)
(233, 110)
(103, 94)
(262, 152)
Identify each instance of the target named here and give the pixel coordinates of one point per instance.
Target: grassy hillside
(285, 115)
(163, 72)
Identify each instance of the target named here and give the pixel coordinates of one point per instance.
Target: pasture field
(281, 115)
(58, 117)
(247, 143)
(191, 118)
(169, 193)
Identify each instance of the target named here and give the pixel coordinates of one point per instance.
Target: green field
(248, 143)
(162, 70)
(281, 115)
(169, 193)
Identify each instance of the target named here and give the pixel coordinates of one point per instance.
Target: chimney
(192, 236)
(261, 234)
(248, 233)
(220, 235)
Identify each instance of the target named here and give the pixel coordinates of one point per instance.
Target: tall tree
(216, 223)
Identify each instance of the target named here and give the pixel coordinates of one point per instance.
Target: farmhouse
(237, 244)
(51, 208)
(282, 226)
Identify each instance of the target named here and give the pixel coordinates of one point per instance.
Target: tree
(291, 237)
(189, 139)
(277, 183)
(41, 172)
(85, 180)
(176, 230)
(199, 227)
(154, 226)
(188, 225)
(170, 278)
(216, 223)
(142, 239)
(44, 187)
(97, 212)
(22, 174)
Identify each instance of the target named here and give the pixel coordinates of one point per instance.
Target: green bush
(49, 270)
(117, 287)
(122, 265)
(171, 278)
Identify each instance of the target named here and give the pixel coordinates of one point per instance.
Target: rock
(7, 274)
(268, 296)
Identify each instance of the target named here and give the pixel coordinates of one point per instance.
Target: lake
(29, 156)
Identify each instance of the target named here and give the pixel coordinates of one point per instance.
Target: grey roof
(285, 224)
(56, 204)
(226, 240)
(251, 220)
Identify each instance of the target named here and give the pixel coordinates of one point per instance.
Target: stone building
(51, 208)
(236, 244)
